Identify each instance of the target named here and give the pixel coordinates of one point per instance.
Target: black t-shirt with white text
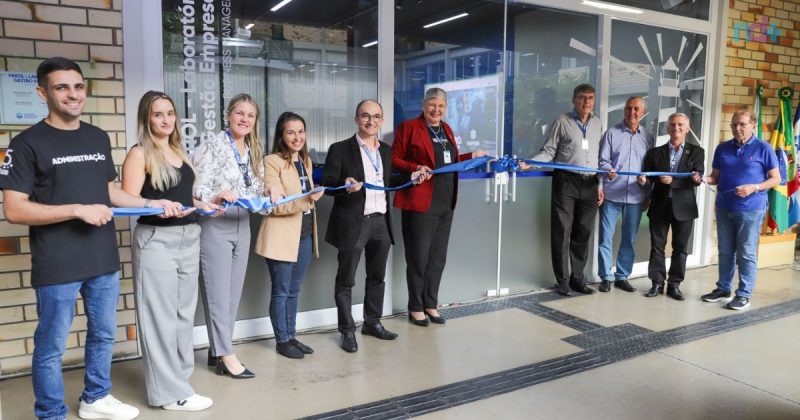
(56, 167)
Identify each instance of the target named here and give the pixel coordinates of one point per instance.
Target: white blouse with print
(217, 170)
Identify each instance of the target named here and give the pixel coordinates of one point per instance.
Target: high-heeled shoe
(435, 319)
(418, 322)
(222, 370)
(212, 360)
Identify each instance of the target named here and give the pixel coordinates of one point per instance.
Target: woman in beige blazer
(288, 236)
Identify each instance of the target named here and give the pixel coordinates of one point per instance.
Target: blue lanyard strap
(235, 150)
(436, 136)
(376, 160)
(584, 128)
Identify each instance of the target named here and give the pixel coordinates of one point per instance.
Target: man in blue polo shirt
(622, 148)
(744, 168)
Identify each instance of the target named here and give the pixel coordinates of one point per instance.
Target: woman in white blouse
(229, 165)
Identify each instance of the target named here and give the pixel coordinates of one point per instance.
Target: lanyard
(304, 187)
(437, 139)
(236, 150)
(675, 156)
(581, 126)
(375, 161)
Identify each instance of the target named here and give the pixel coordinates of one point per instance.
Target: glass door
(549, 52)
(456, 46)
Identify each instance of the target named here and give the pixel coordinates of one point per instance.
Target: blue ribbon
(566, 167)
(502, 164)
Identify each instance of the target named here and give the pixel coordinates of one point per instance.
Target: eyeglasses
(735, 125)
(245, 175)
(584, 98)
(367, 117)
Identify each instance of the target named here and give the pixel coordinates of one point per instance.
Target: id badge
(447, 157)
(585, 144)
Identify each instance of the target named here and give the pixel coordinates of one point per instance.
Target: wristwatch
(758, 188)
(147, 203)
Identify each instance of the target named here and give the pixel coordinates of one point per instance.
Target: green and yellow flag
(782, 141)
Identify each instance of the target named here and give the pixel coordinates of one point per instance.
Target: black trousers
(375, 243)
(573, 208)
(425, 237)
(681, 231)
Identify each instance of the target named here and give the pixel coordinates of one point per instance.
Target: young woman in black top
(166, 254)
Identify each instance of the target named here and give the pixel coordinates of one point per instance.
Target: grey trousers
(224, 250)
(165, 271)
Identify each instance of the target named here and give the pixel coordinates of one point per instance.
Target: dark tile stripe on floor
(601, 347)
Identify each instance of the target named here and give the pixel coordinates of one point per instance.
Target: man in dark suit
(673, 204)
(360, 220)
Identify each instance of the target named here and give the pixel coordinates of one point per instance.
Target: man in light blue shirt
(622, 148)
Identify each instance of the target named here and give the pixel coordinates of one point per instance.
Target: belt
(584, 177)
(371, 215)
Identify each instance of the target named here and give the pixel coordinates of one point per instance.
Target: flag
(757, 94)
(793, 187)
(783, 142)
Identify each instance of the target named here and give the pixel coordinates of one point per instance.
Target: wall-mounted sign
(20, 104)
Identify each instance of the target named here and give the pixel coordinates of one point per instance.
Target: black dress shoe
(222, 370)
(436, 319)
(605, 286)
(675, 293)
(583, 289)
(289, 350)
(212, 360)
(377, 330)
(564, 292)
(349, 343)
(654, 291)
(304, 348)
(418, 322)
(624, 285)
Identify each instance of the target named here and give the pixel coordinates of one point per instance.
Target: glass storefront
(509, 68)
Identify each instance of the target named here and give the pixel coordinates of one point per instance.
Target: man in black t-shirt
(58, 178)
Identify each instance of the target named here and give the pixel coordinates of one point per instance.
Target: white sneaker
(107, 407)
(193, 403)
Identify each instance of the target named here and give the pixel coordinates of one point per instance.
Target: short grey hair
(434, 93)
(679, 114)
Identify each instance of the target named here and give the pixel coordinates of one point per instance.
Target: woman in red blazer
(422, 144)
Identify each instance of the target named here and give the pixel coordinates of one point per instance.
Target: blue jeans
(55, 306)
(609, 214)
(737, 234)
(287, 277)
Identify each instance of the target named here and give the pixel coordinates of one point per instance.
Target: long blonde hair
(252, 140)
(162, 174)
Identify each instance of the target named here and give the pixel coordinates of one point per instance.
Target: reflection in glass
(550, 53)
(463, 57)
(315, 61)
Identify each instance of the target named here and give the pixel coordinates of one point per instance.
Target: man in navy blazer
(360, 220)
(673, 204)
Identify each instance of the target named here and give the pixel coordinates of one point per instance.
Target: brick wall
(89, 32)
(770, 57)
(762, 47)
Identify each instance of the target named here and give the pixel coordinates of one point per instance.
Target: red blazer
(413, 147)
